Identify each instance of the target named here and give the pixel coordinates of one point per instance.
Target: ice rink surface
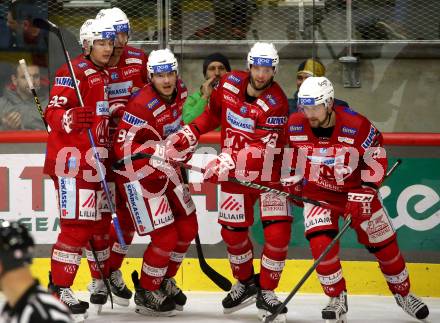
(206, 307)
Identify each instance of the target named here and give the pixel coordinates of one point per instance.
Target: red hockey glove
(219, 168)
(117, 110)
(293, 185)
(359, 204)
(182, 144)
(78, 118)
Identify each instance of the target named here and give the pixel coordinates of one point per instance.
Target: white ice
(206, 307)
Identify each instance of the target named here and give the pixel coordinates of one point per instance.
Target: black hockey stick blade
(46, 25)
(216, 278)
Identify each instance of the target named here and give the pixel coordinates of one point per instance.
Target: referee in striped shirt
(26, 300)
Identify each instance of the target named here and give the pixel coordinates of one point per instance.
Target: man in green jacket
(214, 67)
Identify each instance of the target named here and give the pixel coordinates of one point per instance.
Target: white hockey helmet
(263, 54)
(117, 18)
(161, 61)
(84, 31)
(98, 30)
(315, 91)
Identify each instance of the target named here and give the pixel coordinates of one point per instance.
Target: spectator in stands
(17, 106)
(310, 67)
(214, 67)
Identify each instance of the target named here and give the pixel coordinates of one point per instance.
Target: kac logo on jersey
(276, 121)
(234, 79)
(240, 123)
(114, 76)
(306, 101)
(64, 81)
(175, 113)
(243, 110)
(262, 61)
(133, 120)
(152, 104)
(271, 99)
(296, 128)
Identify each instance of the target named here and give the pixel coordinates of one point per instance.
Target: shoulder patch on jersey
(133, 60)
(296, 128)
(370, 137)
(130, 52)
(64, 81)
(133, 120)
(159, 110)
(89, 71)
(231, 87)
(349, 131)
(263, 105)
(234, 79)
(153, 103)
(82, 65)
(238, 122)
(130, 70)
(270, 99)
(276, 121)
(350, 111)
(95, 80)
(102, 108)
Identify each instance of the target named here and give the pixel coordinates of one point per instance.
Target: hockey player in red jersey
(252, 111)
(160, 207)
(70, 163)
(338, 158)
(127, 69)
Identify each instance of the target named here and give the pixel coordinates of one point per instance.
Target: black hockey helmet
(16, 246)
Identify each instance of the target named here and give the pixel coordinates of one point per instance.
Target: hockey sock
(117, 253)
(186, 231)
(157, 256)
(393, 268)
(329, 269)
(276, 244)
(239, 252)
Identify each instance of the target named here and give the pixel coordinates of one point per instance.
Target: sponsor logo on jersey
(121, 89)
(262, 61)
(82, 65)
(161, 211)
(87, 204)
(378, 227)
(276, 121)
(133, 120)
(128, 71)
(137, 206)
(273, 205)
(95, 80)
(231, 87)
(299, 138)
(173, 127)
(318, 160)
(183, 95)
(152, 104)
(306, 101)
(159, 110)
(114, 76)
(370, 138)
(89, 71)
(238, 122)
(263, 105)
(316, 216)
(234, 79)
(64, 81)
(349, 131)
(243, 110)
(102, 108)
(130, 52)
(347, 140)
(232, 208)
(271, 99)
(133, 60)
(296, 128)
(67, 195)
(229, 98)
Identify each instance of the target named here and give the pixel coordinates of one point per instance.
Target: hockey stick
(47, 25)
(261, 187)
(347, 223)
(22, 63)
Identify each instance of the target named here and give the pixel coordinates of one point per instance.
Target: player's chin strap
(117, 165)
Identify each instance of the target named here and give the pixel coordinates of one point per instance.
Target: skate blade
(96, 308)
(262, 314)
(79, 318)
(121, 301)
(246, 303)
(149, 312)
(342, 319)
(179, 308)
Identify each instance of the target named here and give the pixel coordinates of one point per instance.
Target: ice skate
(152, 303)
(98, 294)
(240, 296)
(267, 304)
(412, 305)
(121, 294)
(170, 289)
(336, 309)
(77, 308)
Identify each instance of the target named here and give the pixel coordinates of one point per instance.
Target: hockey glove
(117, 110)
(219, 168)
(359, 204)
(160, 163)
(78, 118)
(293, 185)
(182, 144)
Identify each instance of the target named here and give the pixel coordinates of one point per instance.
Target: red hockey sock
(276, 244)
(329, 270)
(393, 268)
(157, 256)
(239, 252)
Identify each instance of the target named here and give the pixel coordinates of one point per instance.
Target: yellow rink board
(362, 277)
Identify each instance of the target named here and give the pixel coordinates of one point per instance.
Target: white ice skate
(336, 309)
(412, 305)
(98, 294)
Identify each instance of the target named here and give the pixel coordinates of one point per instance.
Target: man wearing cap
(214, 67)
(310, 67)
